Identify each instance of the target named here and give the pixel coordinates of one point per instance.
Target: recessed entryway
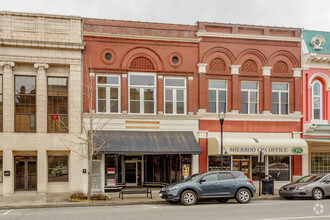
(25, 173)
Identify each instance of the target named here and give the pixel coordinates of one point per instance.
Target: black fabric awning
(146, 142)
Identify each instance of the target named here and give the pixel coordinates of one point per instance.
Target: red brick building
(163, 86)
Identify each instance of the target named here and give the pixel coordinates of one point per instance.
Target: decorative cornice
(140, 37)
(202, 67)
(296, 72)
(7, 63)
(247, 36)
(314, 57)
(41, 65)
(266, 70)
(42, 44)
(235, 69)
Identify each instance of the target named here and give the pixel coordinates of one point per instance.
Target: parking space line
(150, 206)
(304, 217)
(7, 212)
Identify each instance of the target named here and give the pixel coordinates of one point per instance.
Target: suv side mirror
(327, 181)
(202, 180)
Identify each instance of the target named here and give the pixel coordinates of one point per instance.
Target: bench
(142, 191)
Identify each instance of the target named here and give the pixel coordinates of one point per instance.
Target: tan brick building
(40, 72)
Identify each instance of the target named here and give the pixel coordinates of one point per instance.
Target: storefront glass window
(166, 168)
(108, 94)
(175, 96)
(280, 98)
(58, 169)
(25, 104)
(142, 93)
(279, 167)
(113, 171)
(57, 105)
(1, 169)
(0, 103)
(317, 100)
(256, 169)
(215, 163)
(249, 97)
(320, 162)
(217, 96)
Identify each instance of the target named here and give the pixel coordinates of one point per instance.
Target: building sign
(111, 170)
(111, 182)
(266, 150)
(185, 170)
(297, 150)
(258, 149)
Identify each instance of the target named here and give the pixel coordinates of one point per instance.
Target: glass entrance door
(131, 173)
(25, 173)
(96, 176)
(242, 166)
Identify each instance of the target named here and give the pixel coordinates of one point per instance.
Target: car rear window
(225, 176)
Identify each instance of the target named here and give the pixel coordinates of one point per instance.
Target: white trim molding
(317, 41)
(266, 70)
(296, 72)
(234, 69)
(247, 36)
(202, 67)
(141, 37)
(321, 75)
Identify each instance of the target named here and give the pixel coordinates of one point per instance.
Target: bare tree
(91, 128)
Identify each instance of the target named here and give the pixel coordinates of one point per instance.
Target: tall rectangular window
(217, 96)
(108, 94)
(317, 101)
(57, 105)
(1, 169)
(175, 96)
(25, 104)
(280, 98)
(58, 168)
(249, 97)
(142, 93)
(1, 121)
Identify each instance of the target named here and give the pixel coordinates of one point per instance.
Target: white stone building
(40, 103)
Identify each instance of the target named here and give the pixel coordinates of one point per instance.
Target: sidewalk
(21, 200)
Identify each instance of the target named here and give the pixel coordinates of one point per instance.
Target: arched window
(317, 100)
(218, 64)
(250, 66)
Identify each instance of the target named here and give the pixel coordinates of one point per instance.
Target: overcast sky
(308, 14)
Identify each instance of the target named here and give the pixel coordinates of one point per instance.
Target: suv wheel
(243, 196)
(317, 194)
(188, 197)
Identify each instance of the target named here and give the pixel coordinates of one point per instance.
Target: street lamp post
(222, 119)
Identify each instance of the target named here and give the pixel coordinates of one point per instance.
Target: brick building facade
(158, 78)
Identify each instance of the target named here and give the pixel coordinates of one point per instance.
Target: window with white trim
(280, 98)
(108, 94)
(175, 95)
(249, 97)
(142, 93)
(217, 96)
(317, 100)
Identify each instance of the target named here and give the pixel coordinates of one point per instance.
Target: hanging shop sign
(111, 182)
(111, 170)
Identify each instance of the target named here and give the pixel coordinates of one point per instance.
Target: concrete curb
(108, 203)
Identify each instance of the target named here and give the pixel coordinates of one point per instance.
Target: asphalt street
(261, 209)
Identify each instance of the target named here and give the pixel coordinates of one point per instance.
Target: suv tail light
(251, 181)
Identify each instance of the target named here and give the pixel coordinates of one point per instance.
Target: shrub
(78, 195)
(99, 197)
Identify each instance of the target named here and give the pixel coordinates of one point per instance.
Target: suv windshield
(192, 177)
(310, 178)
